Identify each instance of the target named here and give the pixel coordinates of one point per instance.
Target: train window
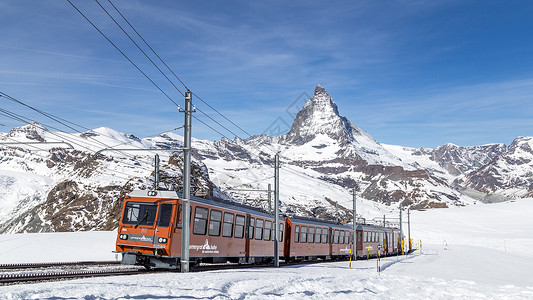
(280, 232)
(268, 230)
(297, 234)
(214, 222)
(250, 228)
(303, 234)
(311, 237)
(239, 226)
(200, 220)
(165, 214)
(259, 229)
(318, 234)
(227, 227)
(336, 237)
(139, 213)
(324, 235)
(331, 236)
(341, 238)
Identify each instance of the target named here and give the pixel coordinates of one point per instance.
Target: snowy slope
(323, 156)
(467, 268)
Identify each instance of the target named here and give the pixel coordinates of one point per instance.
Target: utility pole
(186, 183)
(354, 240)
(401, 232)
(269, 198)
(337, 211)
(156, 175)
(409, 227)
(384, 221)
(276, 209)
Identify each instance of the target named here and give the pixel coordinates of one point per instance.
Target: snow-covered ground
(481, 251)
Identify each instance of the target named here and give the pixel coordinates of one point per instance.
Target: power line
(185, 86)
(197, 119)
(205, 102)
(249, 135)
(162, 61)
(123, 54)
(50, 116)
(138, 47)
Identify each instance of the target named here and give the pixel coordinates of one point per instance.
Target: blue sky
(412, 73)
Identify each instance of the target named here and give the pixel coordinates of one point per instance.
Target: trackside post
(350, 259)
(379, 260)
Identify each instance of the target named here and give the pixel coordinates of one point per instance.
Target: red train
(149, 233)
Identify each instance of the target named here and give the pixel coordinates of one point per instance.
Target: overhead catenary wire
(123, 54)
(218, 123)
(48, 115)
(173, 73)
(114, 174)
(145, 42)
(22, 119)
(140, 49)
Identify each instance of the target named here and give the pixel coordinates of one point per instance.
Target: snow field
(468, 266)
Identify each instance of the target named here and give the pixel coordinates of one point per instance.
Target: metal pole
(269, 198)
(156, 181)
(401, 232)
(337, 211)
(186, 183)
(276, 210)
(354, 241)
(384, 221)
(409, 228)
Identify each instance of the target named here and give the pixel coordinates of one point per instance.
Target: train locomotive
(149, 233)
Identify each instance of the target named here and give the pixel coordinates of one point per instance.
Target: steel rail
(30, 277)
(57, 264)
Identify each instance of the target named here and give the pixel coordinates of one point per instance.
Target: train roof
(317, 222)
(374, 227)
(212, 201)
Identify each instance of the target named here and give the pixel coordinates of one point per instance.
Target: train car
(149, 232)
(310, 239)
(369, 237)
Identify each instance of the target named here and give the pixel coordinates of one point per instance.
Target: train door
(359, 240)
(165, 221)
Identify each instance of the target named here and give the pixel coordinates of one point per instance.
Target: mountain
(461, 160)
(65, 186)
(47, 188)
(507, 176)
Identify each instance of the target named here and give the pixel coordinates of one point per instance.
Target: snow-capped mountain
(63, 187)
(60, 189)
(325, 145)
(508, 175)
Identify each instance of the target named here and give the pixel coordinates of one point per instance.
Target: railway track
(56, 264)
(42, 276)
(33, 272)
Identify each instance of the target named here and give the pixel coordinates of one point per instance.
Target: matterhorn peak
(319, 116)
(319, 90)
(320, 124)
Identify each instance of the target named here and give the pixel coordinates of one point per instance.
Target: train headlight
(162, 240)
(123, 236)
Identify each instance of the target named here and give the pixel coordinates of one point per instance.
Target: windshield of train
(139, 213)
